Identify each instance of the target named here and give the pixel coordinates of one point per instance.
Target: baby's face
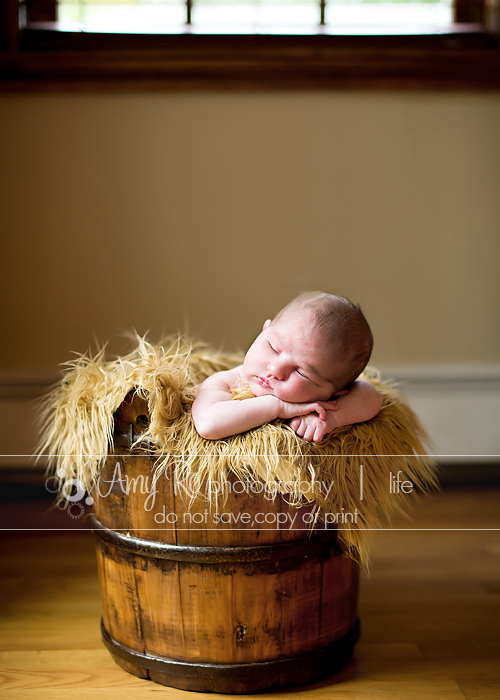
(287, 361)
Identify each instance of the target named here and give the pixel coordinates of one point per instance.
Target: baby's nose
(276, 369)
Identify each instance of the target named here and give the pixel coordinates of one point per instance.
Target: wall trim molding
(459, 405)
(450, 373)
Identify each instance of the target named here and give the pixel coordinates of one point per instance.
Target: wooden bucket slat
(257, 628)
(161, 609)
(119, 596)
(214, 608)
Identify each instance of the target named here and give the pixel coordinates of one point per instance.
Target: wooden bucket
(229, 602)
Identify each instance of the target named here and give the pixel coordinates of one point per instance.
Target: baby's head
(317, 345)
(339, 327)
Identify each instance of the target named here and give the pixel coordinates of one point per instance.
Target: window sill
(48, 60)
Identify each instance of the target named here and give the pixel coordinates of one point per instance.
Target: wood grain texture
(161, 609)
(429, 611)
(466, 58)
(227, 612)
(119, 594)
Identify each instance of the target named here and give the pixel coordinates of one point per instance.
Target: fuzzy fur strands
(349, 472)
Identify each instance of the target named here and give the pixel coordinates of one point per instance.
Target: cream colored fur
(79, 426)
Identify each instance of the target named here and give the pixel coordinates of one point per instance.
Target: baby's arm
(216, 415)
(360, 404)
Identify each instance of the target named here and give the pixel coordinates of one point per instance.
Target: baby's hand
(311, 427)
(317, 408)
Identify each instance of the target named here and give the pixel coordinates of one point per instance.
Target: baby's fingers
(319, 433)
(330, 405)
(299, 426)
(319, 409)
(308, 433)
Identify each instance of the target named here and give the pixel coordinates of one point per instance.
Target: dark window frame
(37, 57)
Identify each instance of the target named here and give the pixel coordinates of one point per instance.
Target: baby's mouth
(264, 383)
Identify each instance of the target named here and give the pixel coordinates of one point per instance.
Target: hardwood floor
(429, 610)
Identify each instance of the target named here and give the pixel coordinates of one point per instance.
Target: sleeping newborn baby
(303, 367)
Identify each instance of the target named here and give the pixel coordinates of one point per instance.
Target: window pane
(256, 16)
(395, 17)
(134, 16)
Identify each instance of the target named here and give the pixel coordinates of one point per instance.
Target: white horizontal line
(272, 454)
(242, 529)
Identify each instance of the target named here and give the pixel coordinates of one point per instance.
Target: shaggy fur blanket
(354, 464)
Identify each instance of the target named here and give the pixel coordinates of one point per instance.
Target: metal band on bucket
(318, 546)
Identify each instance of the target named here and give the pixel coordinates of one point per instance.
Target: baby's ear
(266, 324)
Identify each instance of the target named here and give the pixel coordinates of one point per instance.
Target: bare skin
(290, 375)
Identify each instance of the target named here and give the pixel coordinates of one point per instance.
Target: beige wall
(151, 211)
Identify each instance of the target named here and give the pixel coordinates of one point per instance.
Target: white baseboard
(20, 394)
(459, 406)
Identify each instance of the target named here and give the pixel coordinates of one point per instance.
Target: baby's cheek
(299, 392)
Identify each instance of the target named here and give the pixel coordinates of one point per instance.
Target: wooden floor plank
(483, 690)
(54, 659)
(364, 690)
(429, 609)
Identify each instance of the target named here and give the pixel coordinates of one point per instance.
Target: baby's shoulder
(226, 380)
